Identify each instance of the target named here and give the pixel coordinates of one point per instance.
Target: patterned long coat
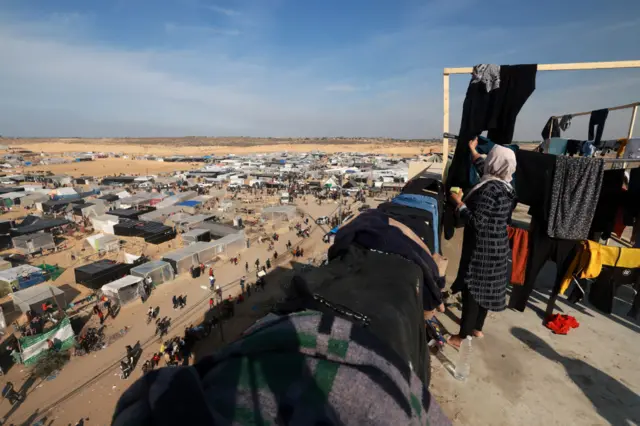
(484, 267)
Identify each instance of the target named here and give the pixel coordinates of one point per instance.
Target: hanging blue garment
(588, 149)
(558, 146)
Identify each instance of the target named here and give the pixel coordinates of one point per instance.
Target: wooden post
(634, 113)
(445, 124)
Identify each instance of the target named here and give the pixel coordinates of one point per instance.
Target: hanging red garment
(519, 254)
(561, 324)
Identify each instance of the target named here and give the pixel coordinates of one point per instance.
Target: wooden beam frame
(541, 67)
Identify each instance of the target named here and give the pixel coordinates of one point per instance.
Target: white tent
(105, 243)
(105, 223)
(125, 290)
(279, 213)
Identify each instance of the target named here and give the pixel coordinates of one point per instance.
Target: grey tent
(33, 243)
(32, 298)
(159, 271)
(181, 260)
(196, 235)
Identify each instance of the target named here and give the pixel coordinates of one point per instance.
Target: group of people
(152, 313)
(107, 306)
(179, 301)
(162, 326)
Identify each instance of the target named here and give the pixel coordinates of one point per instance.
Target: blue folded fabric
(426, 203)
(558, 146)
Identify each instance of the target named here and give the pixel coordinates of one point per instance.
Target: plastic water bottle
(464, 362)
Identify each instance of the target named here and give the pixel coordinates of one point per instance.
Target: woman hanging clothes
(486, 210)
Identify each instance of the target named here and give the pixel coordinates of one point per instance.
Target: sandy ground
(98, 145)
(109, 167)
(521, 373)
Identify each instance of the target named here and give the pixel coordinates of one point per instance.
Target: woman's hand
(456, 198)
(473, 144)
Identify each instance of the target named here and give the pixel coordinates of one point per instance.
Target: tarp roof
(12, 274)
(121, 283)
(190, 203)
(149, 266)
(195, 232)
(35, 294)
(39, 225)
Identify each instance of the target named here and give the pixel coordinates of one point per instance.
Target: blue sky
(298, 67)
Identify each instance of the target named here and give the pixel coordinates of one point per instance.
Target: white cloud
(223, 10)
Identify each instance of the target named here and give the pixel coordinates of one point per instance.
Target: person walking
(107, 306)
(485, 210)
(246, 266)
(210, 303)
(219, 293)
(268, 263)
(174, 299)
(242, 281)
(212, 281)
(257, 263)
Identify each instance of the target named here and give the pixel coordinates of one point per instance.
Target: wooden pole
(634, 114)
(564, 67)
(632, 122)
(445, 124)
(615, 108)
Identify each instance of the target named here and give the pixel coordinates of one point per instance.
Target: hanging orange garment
(519, 254)
(622, 147)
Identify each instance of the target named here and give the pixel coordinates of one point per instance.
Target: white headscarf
(500, 165)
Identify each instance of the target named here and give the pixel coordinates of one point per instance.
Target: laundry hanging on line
(596, 124)
(574, 196)
(591, 257)
(495, 111)
(519, 253)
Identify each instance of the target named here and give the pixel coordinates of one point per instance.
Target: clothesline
(577, 114)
